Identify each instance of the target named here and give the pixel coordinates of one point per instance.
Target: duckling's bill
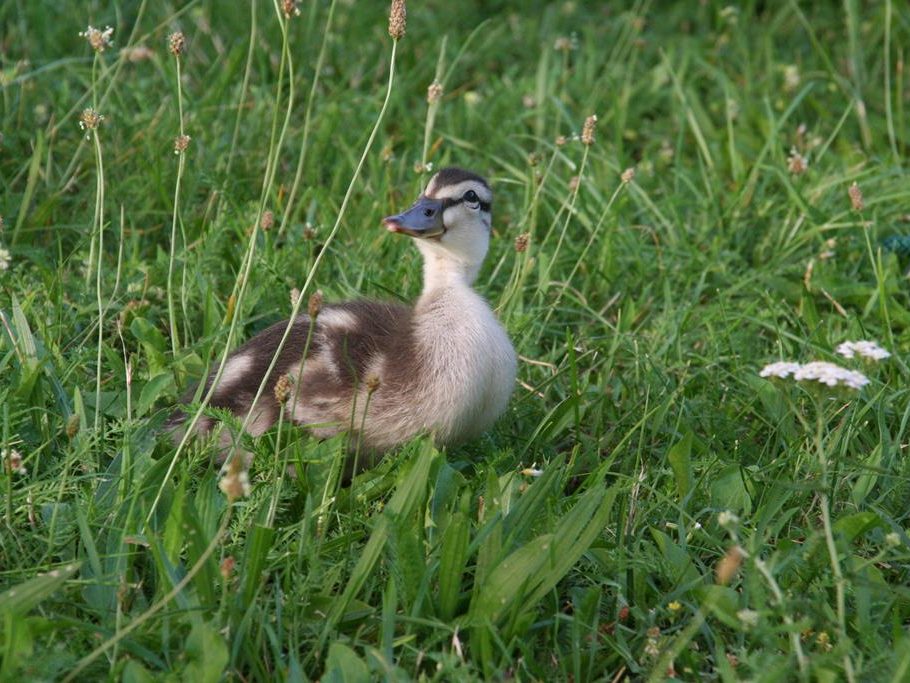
(424, 219)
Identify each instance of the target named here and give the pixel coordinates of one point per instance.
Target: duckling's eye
(471, 197)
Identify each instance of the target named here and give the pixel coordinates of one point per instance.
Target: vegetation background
(649, 507)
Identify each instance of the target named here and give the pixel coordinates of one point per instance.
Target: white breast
(469, 360)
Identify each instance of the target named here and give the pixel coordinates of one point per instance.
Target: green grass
(643, 312)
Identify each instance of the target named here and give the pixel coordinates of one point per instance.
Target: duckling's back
(351, 345)
(376, 370)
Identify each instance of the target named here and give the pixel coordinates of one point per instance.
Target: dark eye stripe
(446, 203)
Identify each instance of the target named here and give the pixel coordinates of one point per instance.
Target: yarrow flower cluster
(829, 374)
(748, 618)
(869, 350)
(98, 39)
(781, 369)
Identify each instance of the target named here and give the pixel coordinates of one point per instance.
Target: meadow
(649, 507)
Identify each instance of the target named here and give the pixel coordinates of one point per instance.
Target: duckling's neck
(444, 272)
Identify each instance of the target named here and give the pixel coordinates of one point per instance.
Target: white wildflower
(5, 258)
(565, 43)
(866, 349)
(651, 648)
(781, 369)
(831, 375)
(748, 617)
(727, 519)
(791, 77)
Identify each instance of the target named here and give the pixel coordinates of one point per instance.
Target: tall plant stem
(98, 226)
(181, 160)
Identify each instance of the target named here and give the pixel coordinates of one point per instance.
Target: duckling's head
(450, 223)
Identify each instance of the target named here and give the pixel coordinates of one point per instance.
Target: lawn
(649, 507)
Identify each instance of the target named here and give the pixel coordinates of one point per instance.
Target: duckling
(382, 371)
